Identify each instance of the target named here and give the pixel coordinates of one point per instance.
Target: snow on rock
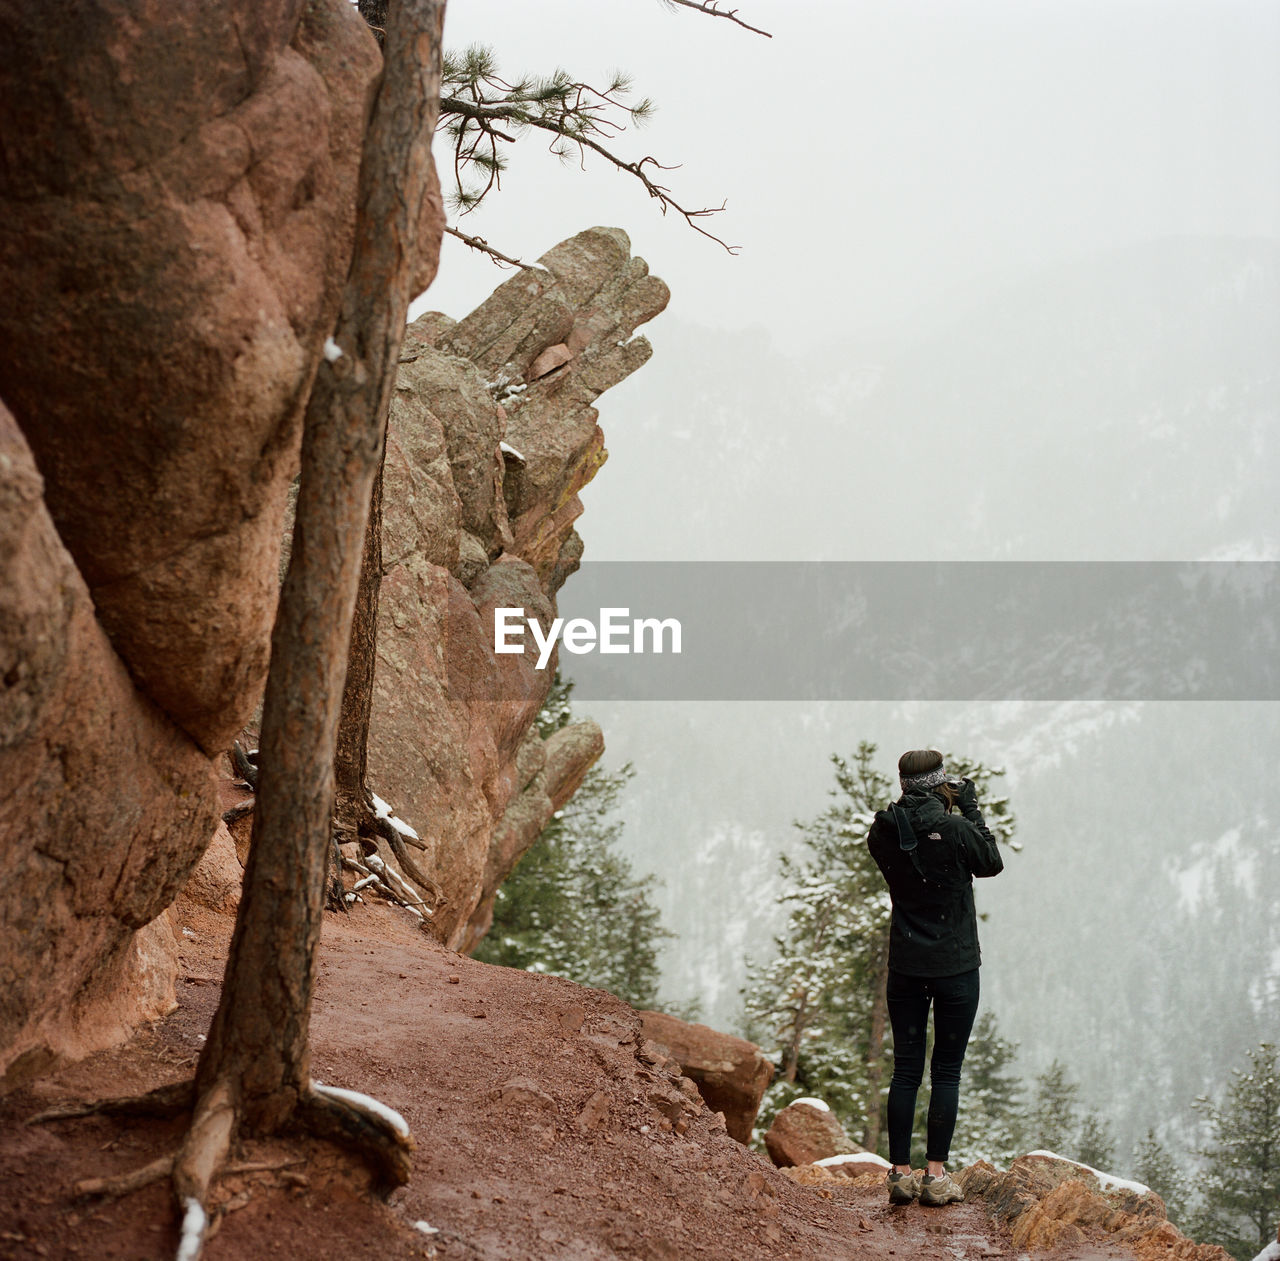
(813, 1103)
(507, 449)
(367, 1104)
(426, 1228)
(1108, 1181)
(1270, 1253)
(332, 351)
(855, 1158)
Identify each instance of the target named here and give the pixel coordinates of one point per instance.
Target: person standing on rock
(929, 855)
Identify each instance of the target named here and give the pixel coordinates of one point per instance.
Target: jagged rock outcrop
(176, 204)
(1049, 1202)
(731, 1074)
(490, 440)
(803, 1133)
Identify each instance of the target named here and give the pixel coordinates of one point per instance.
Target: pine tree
(1096, 1145)
(1052, 1116)
(573, 906)
(1241, 1182)
(990, 1122)
(820, 1003)
(815, 1000)
(1156, 1168)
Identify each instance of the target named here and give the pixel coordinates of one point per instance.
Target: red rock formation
(105, 804)
(803, 1133)
(468, 528)
(176, 201)
(730, 1073)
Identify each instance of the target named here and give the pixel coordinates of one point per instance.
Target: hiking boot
(938, 1191)
(903, 1187)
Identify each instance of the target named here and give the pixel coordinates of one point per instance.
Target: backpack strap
(907, 839)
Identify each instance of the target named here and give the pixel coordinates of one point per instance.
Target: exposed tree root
(384, 838)
(123, 1183)
(198, 1162)
(377, 1133)
(162, 1167)
(238, 811)
(164, 1102)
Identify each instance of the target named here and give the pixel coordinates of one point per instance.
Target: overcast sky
(881, 158)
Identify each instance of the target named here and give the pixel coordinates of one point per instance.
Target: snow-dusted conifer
(1096, 1145)
(1241, 1181)
(573, 906)
(1052, 1117)
(1154, 1165)
(990, 1123)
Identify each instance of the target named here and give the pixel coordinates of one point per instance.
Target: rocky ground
(544, 1129)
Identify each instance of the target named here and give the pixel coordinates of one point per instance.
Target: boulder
(731, 1074)
(469, 527)
(1047, 1202)
(805, 1132)
(835, 1170)
(219, 875)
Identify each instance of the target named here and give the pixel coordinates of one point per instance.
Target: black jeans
(955, 1003)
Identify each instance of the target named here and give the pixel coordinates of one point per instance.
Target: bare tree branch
(485, 112)
(479, 243)
(712, 9)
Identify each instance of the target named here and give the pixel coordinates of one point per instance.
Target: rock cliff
(176, 205)
(176, 208)
(491, 436)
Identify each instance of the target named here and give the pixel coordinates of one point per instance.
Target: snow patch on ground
(1270, 1253)
(1108, 1181)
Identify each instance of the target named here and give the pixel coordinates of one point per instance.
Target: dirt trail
(542, 1132)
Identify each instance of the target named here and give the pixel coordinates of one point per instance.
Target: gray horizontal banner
(966, 631)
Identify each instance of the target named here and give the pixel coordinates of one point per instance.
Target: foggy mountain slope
(1123, 406)
(1127, 938)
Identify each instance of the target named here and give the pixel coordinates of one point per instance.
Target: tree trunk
(791, 1056)
(375, 13)
(351, 759)
(875, 1044)
(257, 1048)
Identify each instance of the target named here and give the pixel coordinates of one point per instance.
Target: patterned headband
(930, 779)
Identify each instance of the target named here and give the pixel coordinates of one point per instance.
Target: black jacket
(934, 927)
